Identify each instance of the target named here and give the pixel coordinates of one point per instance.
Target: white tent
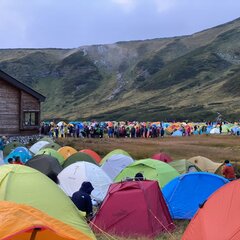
(115, 164)
(37, 146)
(72, 177)
(215, 131)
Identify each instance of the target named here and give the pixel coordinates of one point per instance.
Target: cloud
(126, 5)
(165, 5)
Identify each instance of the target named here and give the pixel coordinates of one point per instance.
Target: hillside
(188, 77)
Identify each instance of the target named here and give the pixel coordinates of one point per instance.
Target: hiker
(139, 177)
(17, 160)
(228, 171)
(10, 161)
(82, 199)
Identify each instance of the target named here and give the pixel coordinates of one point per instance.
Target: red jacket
(228, 171)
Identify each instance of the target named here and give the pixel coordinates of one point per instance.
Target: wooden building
(19, 107)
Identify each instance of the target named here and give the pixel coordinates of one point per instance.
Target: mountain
(188, 77)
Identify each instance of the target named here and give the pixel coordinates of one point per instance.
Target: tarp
(184, 166)
(77, 157)
(115, 164)
(46, 164)
(133, 209)
(164, 157)
(66, 151)
(37, 146)
(205, 164)
(114, 152)
(151, 169)
(219, 216)
(92, 154)
(21, 222)
(21, 152)
(53, 153)
(22, 184)
(185, 193)
(72, 177)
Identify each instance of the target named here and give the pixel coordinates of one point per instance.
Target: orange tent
(92, 154)
(21, 222)
(66, 151)
(219, 217)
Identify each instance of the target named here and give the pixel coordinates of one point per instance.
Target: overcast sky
(74, 23)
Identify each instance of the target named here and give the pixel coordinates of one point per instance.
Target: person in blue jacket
(82, 199)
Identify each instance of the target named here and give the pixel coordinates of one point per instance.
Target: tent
(184, 166)
(76, 157)
(67, 151)
(151, 169)
(162, 157)
(22, 184)
(115, 164)
(21, 152)
(53, 145)
(37, 146)
(205, 164)
(72, 177)
(114, 152)
(177, 133)
(53, 153)
(48, 139)
(10, 147)
(219, 216)
(46, 164)
(92, 154)
(133, 209)
(19, 221)
(185, 193)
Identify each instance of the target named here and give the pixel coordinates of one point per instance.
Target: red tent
(162, 157)
(219, 216)
(92, 154)
(133, 209)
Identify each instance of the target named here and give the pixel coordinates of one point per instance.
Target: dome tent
(72, 177)
(186, 192)
(66, 151)
(162, 157)
(53, 153)
(133, 209)
(21, 152)
(92, 154)
(114, 152)
(37, 146)
(219, 216)
(151, 169)
(25, 222)
(22, 184)
(184, 166)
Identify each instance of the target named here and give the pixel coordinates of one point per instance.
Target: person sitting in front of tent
(82, 199)
(139, 177)
(18, 161)
(228, 171)
(10, 161)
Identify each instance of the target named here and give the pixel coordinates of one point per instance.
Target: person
(18, 160)
(82, 199)
(10, 161)
(228, 171)
(139, 177)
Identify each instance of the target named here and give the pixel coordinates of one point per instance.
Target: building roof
(21, 86)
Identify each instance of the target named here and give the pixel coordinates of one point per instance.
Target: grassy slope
(170, 78)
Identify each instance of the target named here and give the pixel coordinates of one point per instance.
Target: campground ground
(217, 148)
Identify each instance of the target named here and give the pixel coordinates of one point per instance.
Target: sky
(75, 23)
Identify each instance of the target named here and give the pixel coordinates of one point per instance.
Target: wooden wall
(9, 108)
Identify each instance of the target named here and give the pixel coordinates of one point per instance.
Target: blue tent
(186, 192)
(21, 152)
(177, 133)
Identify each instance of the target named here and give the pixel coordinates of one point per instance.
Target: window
(31, 119)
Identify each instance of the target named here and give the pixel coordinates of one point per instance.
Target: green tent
(184, 166)
(114, 152)
(52, 145)
(11, 146)
(151, 169)
(53, 153)
(76, 157)
(22, 184)
(48, 139)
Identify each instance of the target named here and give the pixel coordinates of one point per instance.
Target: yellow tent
(205, 164)
(21, 222)
(67, 151)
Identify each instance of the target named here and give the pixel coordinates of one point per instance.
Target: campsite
(188, 170)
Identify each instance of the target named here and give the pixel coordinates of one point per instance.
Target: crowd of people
(96, 129)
